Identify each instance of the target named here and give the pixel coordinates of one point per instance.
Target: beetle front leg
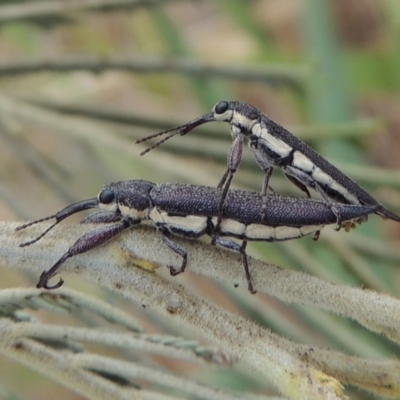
(263, 162)
(268, 169)
(234, 160)
(85, 243)
(102, 217)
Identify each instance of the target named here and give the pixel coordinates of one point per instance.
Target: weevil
(192, 211)
(275, 147)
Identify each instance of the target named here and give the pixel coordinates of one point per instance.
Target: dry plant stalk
(298, 371)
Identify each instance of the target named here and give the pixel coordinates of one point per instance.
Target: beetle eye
(221, 107)
(253, 115)
(106, 196)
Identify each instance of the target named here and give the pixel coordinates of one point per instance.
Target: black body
(248, 207)
(125, 204)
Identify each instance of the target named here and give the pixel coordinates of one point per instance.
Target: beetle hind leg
(307, 180)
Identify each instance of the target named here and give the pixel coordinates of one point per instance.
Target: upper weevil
(275, 147)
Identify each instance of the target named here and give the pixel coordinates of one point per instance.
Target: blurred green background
(80, 83)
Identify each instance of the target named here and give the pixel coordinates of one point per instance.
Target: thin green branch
(362, 127)
(12, 300)
(270, 74)
(359, 265)
(371, 174)
(372, 247)
(166, 346)
(53, 9)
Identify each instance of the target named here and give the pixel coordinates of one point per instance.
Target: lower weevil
(193, 211)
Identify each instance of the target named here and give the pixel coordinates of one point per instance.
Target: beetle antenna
(19, 228)
(181, 130)
(159, 143)
(41, 235)
(61, 215)
(145, 139)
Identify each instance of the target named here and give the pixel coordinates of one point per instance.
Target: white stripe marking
(230, 226)
(344, 192)
(302, 162)
(243, 121)
(190, 223)
(321, 177)
(264, 232)
(131, 212)
(276, 145)
(260, 232)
